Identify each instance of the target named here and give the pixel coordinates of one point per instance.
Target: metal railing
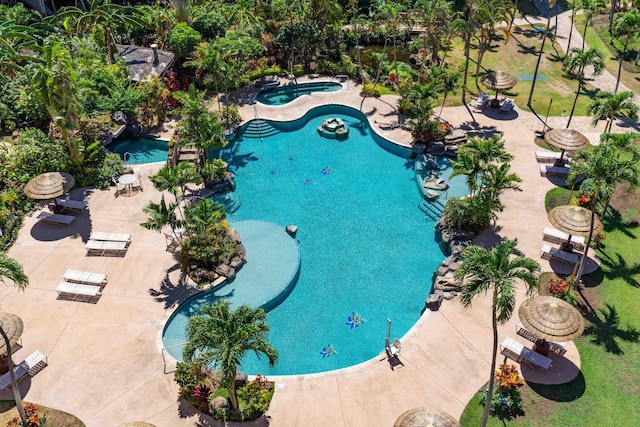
(164, 360)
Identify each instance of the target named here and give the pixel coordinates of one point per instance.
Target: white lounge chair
(507, 105)
(553, 170)
(58, 219)
(479, 103)
(556, 347)
(547, 252)
(100, 247)
(550, 156)
(85, 277)
(110, 237)
(552, 235)
(519, 353)
(72, 205)
(394, 349)
(31, 365)
(76, 290)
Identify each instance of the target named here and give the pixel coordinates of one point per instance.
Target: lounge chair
(550, 156)
(77, 290)
(101, 247)
(507, 105)
(85, 277)
(58, 219)
(31, 365)
(393, 350)
(72, 205)
(479, 103)
(547, 252)
(110, 237)
(552, 235)
(556, 347)
(519, 353)
(553, 170)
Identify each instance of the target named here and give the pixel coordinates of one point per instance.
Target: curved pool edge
(278, 296)
(307, 83)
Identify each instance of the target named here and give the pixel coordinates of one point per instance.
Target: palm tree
(205, 214)
(161, 215)
(575, 62)
(606, 167)
(14, 41)
(589, 9)
(495, 271)
(448, 83)
(12, 270)
(391, 13)
(435, 16)
(608, 106)
(221, 337)
(544, 40)
(53, 85)
(182, 10)
(627, 28)
(104, 15)
(487, 14)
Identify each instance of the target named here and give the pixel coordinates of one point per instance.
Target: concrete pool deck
(105, 367)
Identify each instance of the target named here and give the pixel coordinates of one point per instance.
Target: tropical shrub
(96, 128)
(208, 21)
(256, 396)
(345, 66)
(506, 402)
(230, 116)
(153, 107)
(259, 68)
(206, 249)
(33, 419)
(111, 166)
(370, 90)
(183, 40)
(34, 154)
(216, 169)
(563, 289)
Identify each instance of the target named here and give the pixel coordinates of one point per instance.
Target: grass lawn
(598, 37)
(607, 391)
(54, 417)
(522, 52)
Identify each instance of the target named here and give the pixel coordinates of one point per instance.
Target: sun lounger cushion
(58, 219)
(74, 205)
(77, 289)
(507, 106)
(31, 365)
(550, 156)
(548, 252)
(105, 246)
(85, 277)
(112, 237)
(552, 235)
(553, 170)
(556, 347)
(518, 352)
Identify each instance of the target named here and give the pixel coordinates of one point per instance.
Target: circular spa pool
(284, 94)
(367, 250)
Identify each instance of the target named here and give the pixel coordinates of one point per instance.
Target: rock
(442, 270)
(436, 148)
(233, 235)
(434, 301)
(292, 230)
(119, 117)
(227, 271)
(242, 252)
(236, 262)
(219, 402)
(449, 295)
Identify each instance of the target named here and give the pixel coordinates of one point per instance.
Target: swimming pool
(284, 94)
(367, 251)
(141, 150)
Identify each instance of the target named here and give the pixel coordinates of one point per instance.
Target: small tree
(183, 40)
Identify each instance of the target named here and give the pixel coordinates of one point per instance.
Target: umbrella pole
(560, 161)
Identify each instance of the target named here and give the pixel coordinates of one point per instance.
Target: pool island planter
(334, 128)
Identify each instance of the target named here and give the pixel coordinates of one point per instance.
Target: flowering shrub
(506, 403)
(508, 377)
(173, 81)
(256, 396)
(33, 419)
(584, 200)
(562, 289)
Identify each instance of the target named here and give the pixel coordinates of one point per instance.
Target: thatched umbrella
(574, 220)
(499, 81)
(13, 327)
(137, 424)
(49, 185)
(566, 140)
(551, 318)
(425, 417)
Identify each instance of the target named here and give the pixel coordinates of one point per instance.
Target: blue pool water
(284, 94)
(141, 151)
(367, 251)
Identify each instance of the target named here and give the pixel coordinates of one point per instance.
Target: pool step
(229, 201)
(432, 208)
(259, 129)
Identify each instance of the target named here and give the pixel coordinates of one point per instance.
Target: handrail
(164, 361)
(255, 113)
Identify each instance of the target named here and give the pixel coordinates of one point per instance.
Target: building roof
(141, 61)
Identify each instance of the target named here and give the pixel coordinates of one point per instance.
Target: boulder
(236, 262)
(292, 230)
(219, 402)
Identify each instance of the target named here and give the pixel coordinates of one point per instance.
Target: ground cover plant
(54, 417)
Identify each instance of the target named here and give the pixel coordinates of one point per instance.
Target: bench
(547, 252)
(57, 219)
(556, 347)
(110, 237)
(85, 277)
(77, 290)
(550, 156)
(519, 353)
(102, 247)
(72, 205)
(31, 365)
(553, 170)
(553, 235)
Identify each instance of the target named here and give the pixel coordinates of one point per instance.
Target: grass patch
(558, 196)
(55, 418)
(540, 142)
(606, 392)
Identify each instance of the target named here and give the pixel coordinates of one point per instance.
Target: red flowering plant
(584, 200)
(508, 377)
(562, 289)
(175, 82)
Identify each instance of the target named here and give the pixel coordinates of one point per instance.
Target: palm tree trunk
(584, 32)
(232, 394)
(573, 15)
(575, 101)
(624, 52)
(588, 242)
(494, 324)
(611, 13)
(12, 375)
(443, 102)
(535, 72)
(467, 46)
